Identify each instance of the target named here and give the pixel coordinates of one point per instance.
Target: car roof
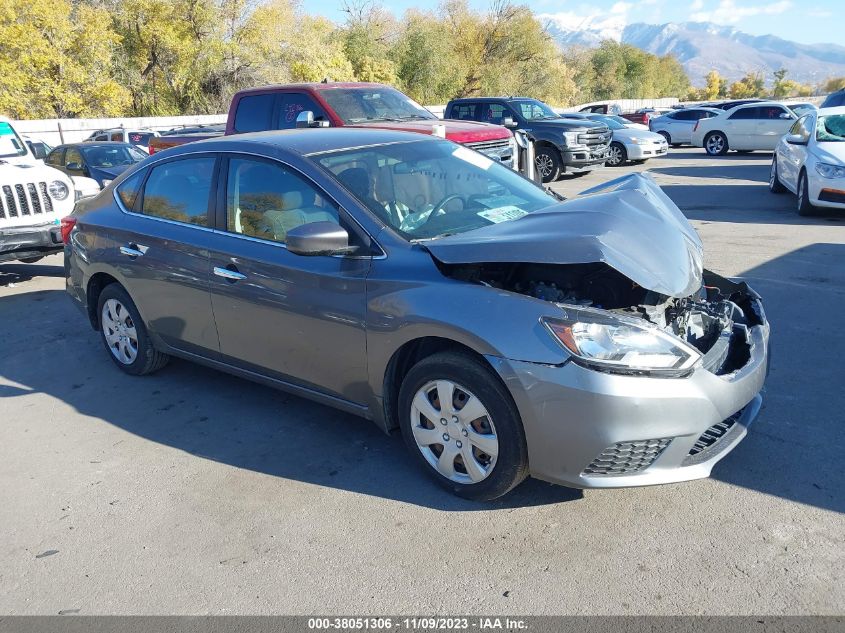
(491, 99)
(90, 144)
(307, 141)
(831, 111)
(314, 86)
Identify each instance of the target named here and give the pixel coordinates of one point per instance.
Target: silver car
(630, 144)
(421, 285)
(676, 126)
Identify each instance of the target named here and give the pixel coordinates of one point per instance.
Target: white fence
(628, 105)
(57, 131)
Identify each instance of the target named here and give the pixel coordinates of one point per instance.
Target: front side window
(770, 113)
(831, 129)
(291, 104)
(117, 136)
(495, 113)
(427, 189)
(179, 190)
(532, 110)
(73, 159)
(55, 157)
(377, 103)
(266, 200)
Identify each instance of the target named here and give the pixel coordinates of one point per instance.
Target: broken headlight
(620, 344)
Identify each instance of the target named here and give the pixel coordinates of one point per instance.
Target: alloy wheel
(614, 156)
(715, 144)
(119, 331)
(543, 163)
(454, 431)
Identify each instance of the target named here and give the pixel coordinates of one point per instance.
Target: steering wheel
(439, 206)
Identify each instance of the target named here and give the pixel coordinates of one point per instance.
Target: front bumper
(644, 152)
(827, 192)
(23, 242)
(583, 158)
(589, 429)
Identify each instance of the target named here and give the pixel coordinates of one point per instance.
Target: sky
(805, 21)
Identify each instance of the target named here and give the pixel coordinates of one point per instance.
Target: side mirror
(74, 166)
(786, 115)
(318, 238)
(795, 139)
(305, 119)
(508, 122)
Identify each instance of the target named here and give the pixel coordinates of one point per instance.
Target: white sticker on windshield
(502, 214)
(472, 157)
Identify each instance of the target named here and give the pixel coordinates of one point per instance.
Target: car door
(772, 122)
(741, 127)
(294, 318)
(161, 249)
(791, 156)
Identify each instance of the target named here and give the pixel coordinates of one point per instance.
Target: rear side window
(745, 113)
(179, 190)
(254, 113)
(128, 190)
(465, 111)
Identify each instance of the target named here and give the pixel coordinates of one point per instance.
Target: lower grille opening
(626, 458)
(711, 436)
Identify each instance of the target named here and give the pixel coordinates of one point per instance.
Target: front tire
(667, 136)
(462, 426)
(805, 207)
(547, 163)
(716, 144)
(124, 334)
(775, 185)
(616, 155)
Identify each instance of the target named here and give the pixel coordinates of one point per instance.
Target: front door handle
(131, 250)
(227, 273)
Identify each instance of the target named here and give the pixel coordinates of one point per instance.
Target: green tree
(752, 85)
(56, 60)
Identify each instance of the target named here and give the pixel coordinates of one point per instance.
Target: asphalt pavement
(193, 492)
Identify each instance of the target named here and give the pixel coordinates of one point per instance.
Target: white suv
(745, 128)
(33, 199)
(138, 138)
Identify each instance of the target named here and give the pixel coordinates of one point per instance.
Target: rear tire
(442, 444)
(716, 144)
(775, 185)
(805, 207)
(547, 163)
(124, 334)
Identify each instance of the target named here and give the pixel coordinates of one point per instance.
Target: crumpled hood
(628, 224)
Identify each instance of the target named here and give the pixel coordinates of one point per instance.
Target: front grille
(487, 147)
(711, 436)
(31, 198)
(594, 137)
(626, 458)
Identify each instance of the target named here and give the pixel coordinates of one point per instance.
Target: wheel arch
(93, 290)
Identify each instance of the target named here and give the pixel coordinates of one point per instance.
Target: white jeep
(33, 200)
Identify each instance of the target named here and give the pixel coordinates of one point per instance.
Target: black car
(835, 99)
(100, 161)
(561, 145)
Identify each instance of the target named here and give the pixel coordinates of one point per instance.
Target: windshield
(112, 155)
(379, 103)
(831, 129)
(428, 189)
(801, 108)
(618, 119)
(610, 122)
(534, 110)
(10, 143)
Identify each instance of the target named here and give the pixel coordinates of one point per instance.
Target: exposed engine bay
(715, 320)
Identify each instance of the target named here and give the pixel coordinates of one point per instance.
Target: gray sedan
(417, 283)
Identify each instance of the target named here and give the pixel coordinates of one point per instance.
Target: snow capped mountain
(703, 46)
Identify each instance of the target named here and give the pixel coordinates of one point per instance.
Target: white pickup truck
(33, 200)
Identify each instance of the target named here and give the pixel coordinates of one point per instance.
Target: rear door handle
(132, 250)
(227, 273)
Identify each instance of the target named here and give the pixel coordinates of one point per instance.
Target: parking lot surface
(193, 492)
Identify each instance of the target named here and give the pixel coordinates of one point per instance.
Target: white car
(810, 161)
(676, 126)
(619, 119)
(139, 138)
(744, 128)
(631, 144)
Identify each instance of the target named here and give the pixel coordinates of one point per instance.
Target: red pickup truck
(343, 105)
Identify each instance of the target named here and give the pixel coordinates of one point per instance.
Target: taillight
(67, 226)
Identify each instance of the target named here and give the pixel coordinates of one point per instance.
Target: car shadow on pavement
(732, 171)
(222, 418)
(13, 273)
(794, 449)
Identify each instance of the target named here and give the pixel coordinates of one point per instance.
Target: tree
(56, 60)
(832, 85)
(752, 85)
